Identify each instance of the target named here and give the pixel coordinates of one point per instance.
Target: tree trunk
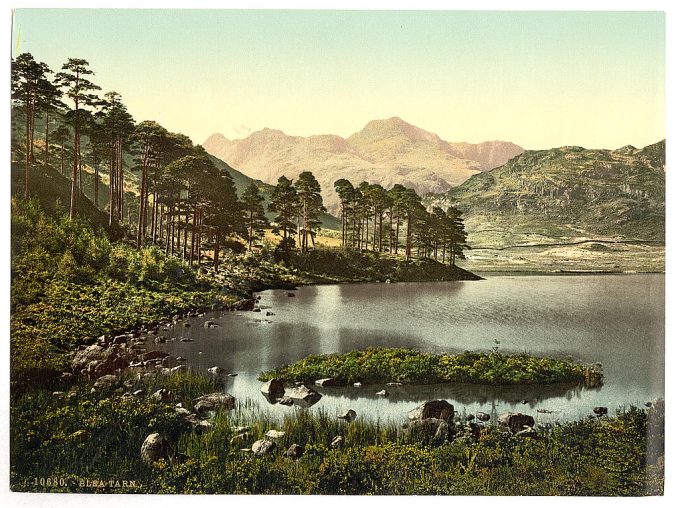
(74, 175)
(28, 141)
(250, 232)
(47, 139)
(216, 252)
(62, 159)
(408, 237)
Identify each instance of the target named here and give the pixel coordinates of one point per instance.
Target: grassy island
(382, 365)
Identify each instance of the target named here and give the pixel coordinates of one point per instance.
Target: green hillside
(600, 202)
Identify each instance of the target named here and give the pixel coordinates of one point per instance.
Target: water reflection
(616, 320)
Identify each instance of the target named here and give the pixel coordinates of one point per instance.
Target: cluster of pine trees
(377, 219)
(186, 204)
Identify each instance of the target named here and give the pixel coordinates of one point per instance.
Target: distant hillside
(385, 151)
(567, 196)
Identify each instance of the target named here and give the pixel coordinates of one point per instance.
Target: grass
(381, 365)
(98, 436)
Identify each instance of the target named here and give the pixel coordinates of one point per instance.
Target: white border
(672, 304)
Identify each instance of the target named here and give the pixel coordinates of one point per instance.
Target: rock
(214, 401)
(232, 374)
(96, 361)
(186, 339)
(273, 390)
(383, 393)
(187, 325)
(105, 382)
(162, 395)
(286, 401)
(600, 411)
(349, 415)
(118, 339)
(268, 313)
(470, 417)
(169, 362)
(304, 395)
(483, 417)
(216, 370)
(240, 438)
(337, 442)
(155, 448)
(257, 309)
(439, 409)
(263, 447)
(247, 304)
(275, 434)
(393, 384)
(209, 324)
(516, 421)
(357, 385)
(527, 432)
(67, 376)
(327, 381)
(294, 452)
(388, 281)
(179, 368)
(160, 340)
(138, 393)
(154, 355)
(202, 426)
(181, 359)
(182, 411)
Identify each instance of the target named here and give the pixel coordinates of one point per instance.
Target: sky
(538, 79)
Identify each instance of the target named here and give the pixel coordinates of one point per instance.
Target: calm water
(613, 319)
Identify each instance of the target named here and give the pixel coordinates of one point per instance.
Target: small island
(409, 366)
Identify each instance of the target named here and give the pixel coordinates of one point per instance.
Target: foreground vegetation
(382, 365)
(79, 436)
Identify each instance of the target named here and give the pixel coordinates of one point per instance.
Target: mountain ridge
(387, 152)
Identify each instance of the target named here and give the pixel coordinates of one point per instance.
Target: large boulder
(154, 448)
(263, 447)
(214, 401)
(304, 396)
(96, 360)
(516, 422)
(439, 409)
(273, 390)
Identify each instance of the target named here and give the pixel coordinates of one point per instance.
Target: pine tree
(79, 89)
(255, 218)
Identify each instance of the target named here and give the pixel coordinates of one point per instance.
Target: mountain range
(386, 151)
(567, 208)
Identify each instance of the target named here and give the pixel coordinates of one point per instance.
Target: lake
(617, 320)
